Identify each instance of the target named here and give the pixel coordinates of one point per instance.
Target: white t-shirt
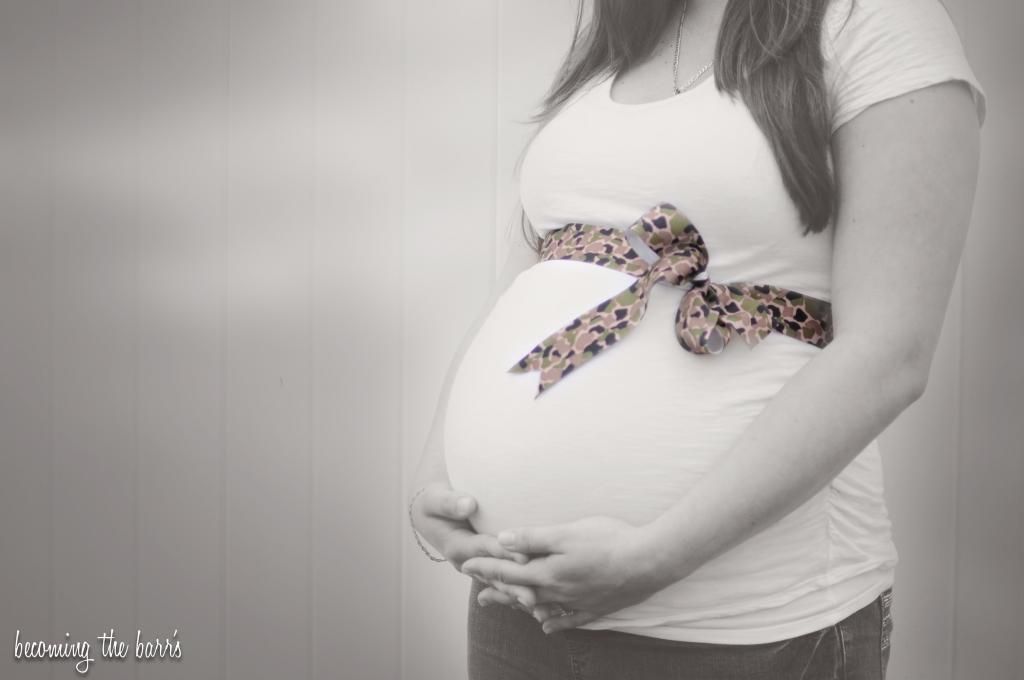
(629, 432)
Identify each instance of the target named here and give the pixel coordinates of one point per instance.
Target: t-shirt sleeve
(881, 49)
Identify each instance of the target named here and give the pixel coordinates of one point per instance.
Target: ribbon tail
(815, 319)
(710, 312)
(791, 313)
(577, 343)
(746, 310)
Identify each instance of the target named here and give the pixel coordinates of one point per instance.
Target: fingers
(505, 571)
(559, 623)
(490, 595)
(488, 546)
(517, 556)
(547, 610)
(532, 540)
(520, 597)
(462, 545)
(447, 502)
(523, 595)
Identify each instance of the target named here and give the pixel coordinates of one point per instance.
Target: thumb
(455, 505)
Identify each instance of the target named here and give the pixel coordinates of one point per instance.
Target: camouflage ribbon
(708, 313)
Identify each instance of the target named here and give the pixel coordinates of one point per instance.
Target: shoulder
(850, 22)
(878, 49)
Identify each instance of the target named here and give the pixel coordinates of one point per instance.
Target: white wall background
(239, 241)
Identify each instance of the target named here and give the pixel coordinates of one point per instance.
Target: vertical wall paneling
(990, 512)
(268, 373)
(919, 453)
(26, 188)
(181, 99)
(533, 38)
(447, 270)
(357, 348)
(96, 324)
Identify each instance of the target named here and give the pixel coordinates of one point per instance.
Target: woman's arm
(438, 513)
(906, 169)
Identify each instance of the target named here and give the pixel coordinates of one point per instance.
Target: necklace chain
(675, 63)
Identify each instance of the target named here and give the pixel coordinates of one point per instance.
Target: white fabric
(629, 432)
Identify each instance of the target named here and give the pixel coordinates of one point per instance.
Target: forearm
(824, 415)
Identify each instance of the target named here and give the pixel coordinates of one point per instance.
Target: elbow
(917, 383)
(914, 365)
(901, 369)
(905, 378)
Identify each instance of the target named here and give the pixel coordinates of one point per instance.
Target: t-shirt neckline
(605, 93)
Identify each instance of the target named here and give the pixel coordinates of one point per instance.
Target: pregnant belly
(625, 435)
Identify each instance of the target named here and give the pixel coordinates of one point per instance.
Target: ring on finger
(559, 610)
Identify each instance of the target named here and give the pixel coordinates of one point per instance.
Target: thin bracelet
(415, 534)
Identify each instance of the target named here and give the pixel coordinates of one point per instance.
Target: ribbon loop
(708, 312)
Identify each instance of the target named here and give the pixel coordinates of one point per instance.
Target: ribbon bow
(708, 312)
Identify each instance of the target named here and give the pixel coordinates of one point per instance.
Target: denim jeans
(508, 644)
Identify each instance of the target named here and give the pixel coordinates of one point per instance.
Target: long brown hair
(768, 52)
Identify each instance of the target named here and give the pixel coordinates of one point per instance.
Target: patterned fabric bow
(708, 312)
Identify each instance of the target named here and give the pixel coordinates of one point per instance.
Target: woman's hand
(593, 566)
(440, 514)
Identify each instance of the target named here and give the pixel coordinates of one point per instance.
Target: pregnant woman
(655, 450)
